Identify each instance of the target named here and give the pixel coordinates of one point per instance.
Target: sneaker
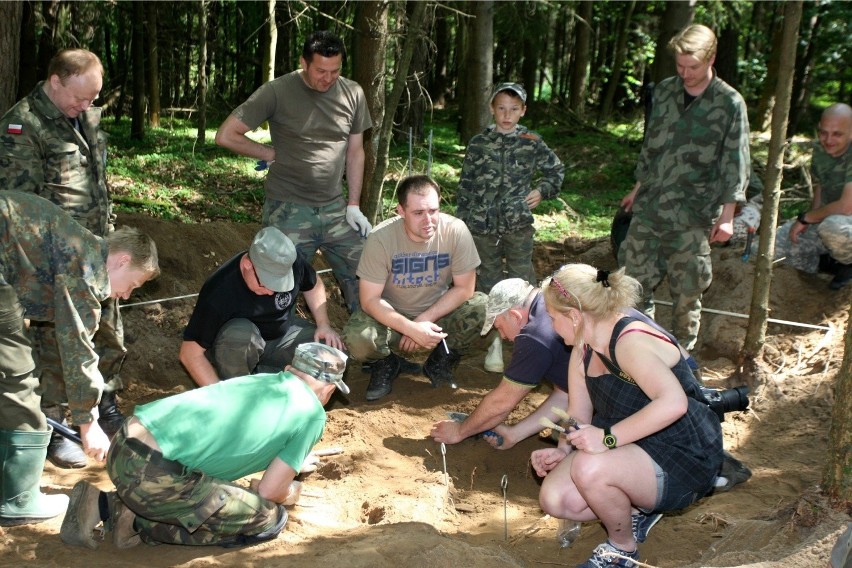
(494, 357)
(382, 374)
(732, 472)
(82, 516)
(642, 524)
(603, 557)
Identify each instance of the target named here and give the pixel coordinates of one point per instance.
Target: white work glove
(294, 493)
(357, 220)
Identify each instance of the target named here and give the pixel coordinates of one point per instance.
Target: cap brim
(341, 386)
(489, 323)
(276, 283)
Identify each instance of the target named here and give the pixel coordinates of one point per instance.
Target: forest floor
(385, 501)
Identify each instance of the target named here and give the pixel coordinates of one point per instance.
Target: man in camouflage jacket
(692, 171)
(831, 208)
(507, 171)
(51, 145)
(54, 270)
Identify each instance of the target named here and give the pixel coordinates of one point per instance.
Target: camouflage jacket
(694, 159)
(41, 152)
(58, 270)
(499, 171)
(830, 173)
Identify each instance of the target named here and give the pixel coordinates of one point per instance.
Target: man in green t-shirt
(174, 461)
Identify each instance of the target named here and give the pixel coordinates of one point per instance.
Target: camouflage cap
(505, 295)
(322, 362)
(273, 255)
(514, 87)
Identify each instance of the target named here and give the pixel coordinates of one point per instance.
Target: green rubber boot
(22, 456)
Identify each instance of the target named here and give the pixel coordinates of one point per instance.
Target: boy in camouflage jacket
(507, 171)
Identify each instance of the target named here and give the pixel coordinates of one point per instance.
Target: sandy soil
(386, 500)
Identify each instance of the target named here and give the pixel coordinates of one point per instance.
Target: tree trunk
(759, 311)
(410, 114)
(580, 68)
(270, 42)
(767, 95)
(439, 83)
(201, 136)
(28, 57)
(478, 79)
(804, 67)
(677, 16)
(11, 14)
(368, 65)
(837, 474)
(137, 49)
(726, 54)
(413, 35)
(618, 63)
(153, 65)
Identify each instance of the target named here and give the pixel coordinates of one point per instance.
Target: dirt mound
(393, 499)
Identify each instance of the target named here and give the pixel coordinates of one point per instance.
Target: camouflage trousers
(516, 248)
(369, 340)
(19, 399)
(650, 254)
(833, 236)
(240, 350)
(109, 345)
(321, 228)
(176, 505)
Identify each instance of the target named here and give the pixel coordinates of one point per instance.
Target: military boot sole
(82, 517)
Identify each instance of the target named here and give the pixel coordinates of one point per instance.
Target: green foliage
(168, 176)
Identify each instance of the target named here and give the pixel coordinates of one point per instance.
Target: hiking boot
(122, 523)
(440, 364)
(601, 557)
(382, 374)
(110, 417)
(732, 472)
(406, 367)
(642, 524)
(82, 516)
(842, 277)
(62, 452)
(827, 264)
(494, 357)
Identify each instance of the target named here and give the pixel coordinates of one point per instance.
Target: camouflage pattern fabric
(109, 345)
(693, 159)
(368, 340)
(51, 158)
(176, 505)
(499, 171)
(515, 247)
(321, 228)
(834, 234)
(684, 257)
(58, 271)
(19, 407)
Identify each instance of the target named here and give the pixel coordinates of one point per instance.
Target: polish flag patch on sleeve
(15, 129)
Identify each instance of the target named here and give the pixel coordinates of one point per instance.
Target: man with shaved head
(828, 244)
